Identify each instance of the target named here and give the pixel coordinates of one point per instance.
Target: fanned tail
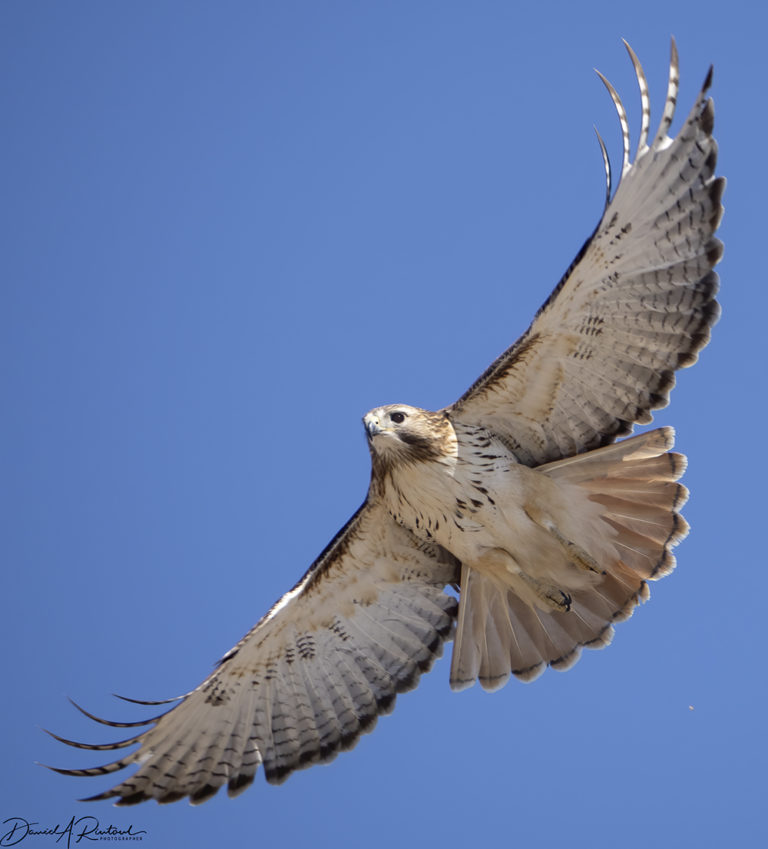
(634, 484)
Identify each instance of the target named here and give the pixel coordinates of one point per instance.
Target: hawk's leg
(551, 597)
(576, 554)
(502, 565)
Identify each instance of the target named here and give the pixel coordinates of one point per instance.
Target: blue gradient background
(229, 229)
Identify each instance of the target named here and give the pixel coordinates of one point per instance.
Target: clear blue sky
(230, 229)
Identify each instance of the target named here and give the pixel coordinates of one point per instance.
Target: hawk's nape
(372, 613)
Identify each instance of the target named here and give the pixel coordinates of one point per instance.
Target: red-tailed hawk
(517, 496)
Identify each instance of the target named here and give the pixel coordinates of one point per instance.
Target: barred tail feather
(636, 482)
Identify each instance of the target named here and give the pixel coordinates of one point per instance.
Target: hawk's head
(398, 433)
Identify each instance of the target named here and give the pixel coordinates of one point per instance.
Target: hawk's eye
(397, 418)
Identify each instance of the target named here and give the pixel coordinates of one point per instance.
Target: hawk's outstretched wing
(313, 675)
(637, 303)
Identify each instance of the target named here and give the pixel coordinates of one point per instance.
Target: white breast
(463, 500)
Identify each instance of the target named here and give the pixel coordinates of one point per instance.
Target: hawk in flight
(517, 497)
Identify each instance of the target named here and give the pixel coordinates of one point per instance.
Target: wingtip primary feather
(645, 99)
(607, 166)
(95, 747)
(623, 121)
(670, 103)
(89, 772)
(151, 702)
(112, 723)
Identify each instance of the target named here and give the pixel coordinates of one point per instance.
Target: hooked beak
(372, 426)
